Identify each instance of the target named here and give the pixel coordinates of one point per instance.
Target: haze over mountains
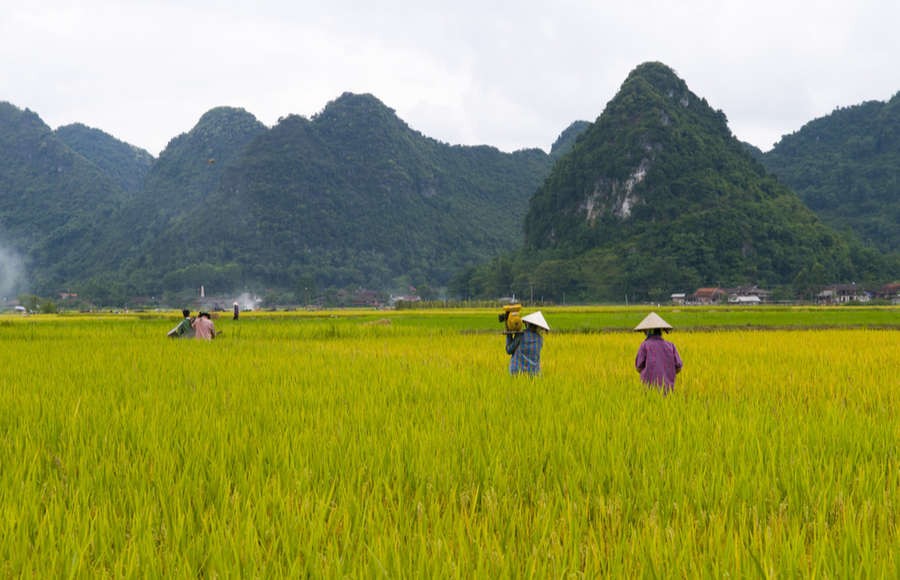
(655, 196)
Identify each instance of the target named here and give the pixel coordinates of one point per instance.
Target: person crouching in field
(525, 347)
(185, 328)
(657, 360)
(204, 329)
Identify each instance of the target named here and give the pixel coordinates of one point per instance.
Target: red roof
(708, 292)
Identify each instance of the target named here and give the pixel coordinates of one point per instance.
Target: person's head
(186, 313)
(535, 322)
(204, 314)
(653, 325)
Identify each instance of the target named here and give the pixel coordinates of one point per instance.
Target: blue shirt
(525, 349)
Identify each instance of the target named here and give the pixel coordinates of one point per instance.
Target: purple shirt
(658, 362)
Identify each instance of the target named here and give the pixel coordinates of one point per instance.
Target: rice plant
(388, 444)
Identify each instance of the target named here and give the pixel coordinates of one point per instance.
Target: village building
(890, 292)
(365, 297)
(708, 296)
(748, 295)
(409, 298)
(11, 305)
(842, 294)
(745, 300)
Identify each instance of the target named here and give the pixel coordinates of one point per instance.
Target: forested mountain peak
(355, 105)
(653, 129)
(567, 138)
(218, 121)
(126, 164)
(660, 192)
(21, 132)
(219, 136)
(355, 101)
(11, 114)
(219, 131)
(661, 77)
(186, 172)
(363, 120)
(35, 163)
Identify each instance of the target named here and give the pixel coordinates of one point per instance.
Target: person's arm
(678, 363)
(512, 342)
(179, 330)
(641, 360)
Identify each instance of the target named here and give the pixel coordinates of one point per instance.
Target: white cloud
(509, 74)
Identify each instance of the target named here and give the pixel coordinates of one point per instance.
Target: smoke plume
(12, 273)
(247, 302)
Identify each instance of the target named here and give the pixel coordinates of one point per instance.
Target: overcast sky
(509, 74)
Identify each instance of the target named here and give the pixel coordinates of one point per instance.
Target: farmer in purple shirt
(657, 360)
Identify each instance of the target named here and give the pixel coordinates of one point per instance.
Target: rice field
(386, 444)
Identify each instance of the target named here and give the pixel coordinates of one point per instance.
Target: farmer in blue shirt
(525, 347)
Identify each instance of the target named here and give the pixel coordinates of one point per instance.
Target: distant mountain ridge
(654, 196)
(349, 198)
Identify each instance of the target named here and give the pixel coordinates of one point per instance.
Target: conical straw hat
(651, 321)
(537, 319)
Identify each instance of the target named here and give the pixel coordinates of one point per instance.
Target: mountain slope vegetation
(53, 202)
(126, 164)
(351, 197)
(846, 168)
(567, 138)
